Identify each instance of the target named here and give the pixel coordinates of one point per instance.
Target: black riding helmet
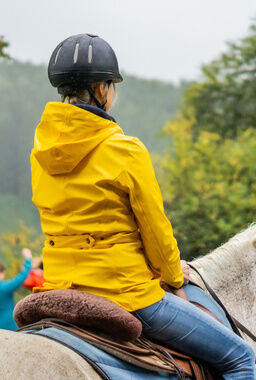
(81, 60)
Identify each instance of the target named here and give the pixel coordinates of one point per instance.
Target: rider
(102, 212)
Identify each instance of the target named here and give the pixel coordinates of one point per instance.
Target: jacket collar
(97, 111)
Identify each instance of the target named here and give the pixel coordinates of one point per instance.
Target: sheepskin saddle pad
(81, 309)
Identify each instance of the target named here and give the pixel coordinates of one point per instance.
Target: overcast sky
(164, 39)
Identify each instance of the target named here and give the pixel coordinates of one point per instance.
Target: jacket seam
(119, 175)
(162, 257)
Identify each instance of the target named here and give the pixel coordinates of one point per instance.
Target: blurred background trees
(11, 246)
(208, 173)
(3, 46)
(224, 100)
(208, 186)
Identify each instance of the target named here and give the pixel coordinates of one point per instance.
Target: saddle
(107, 326)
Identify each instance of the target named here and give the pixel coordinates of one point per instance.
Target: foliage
(143, 106)
(24, 92)
(11, 245)
(207, 176)
(3, 46)
(225, 101)
(208, 185)
(13, 210)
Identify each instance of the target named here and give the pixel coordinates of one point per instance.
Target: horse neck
(232, 263)
(231, 271)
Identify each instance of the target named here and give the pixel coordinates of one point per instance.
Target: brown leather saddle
(105, 325)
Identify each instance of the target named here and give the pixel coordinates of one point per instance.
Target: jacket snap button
(88, 240)
(51, 242)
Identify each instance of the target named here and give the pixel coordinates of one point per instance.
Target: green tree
(225, 100)
(3, 46)
(207, 176)
(208, 186)
(11, 245)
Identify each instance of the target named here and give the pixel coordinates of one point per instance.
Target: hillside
(144, 106)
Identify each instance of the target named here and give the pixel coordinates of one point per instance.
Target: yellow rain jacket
(101, 210)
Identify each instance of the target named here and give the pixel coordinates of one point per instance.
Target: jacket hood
(66, 134)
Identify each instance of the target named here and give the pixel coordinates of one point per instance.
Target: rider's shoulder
(130, 143)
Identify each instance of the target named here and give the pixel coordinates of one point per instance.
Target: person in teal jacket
(8, 287)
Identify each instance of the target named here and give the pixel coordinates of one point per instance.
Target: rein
(235, 324)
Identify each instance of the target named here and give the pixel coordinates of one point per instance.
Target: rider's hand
(26, 253)
(186, 270)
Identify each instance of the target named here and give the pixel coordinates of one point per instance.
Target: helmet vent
(57, 55)
(90, 54)
(76, 52)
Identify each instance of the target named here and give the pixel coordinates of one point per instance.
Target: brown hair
(84, 96)
(2, 268)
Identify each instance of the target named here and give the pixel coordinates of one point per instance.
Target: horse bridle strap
(244, 329)
(235, 324)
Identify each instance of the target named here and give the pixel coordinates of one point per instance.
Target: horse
(230, 270)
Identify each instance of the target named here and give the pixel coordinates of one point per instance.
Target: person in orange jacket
(102, 212)
(35, 277)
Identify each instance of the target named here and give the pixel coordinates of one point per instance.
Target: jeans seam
(141, 319)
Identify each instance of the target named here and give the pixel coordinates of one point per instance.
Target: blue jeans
(196, 294)
(184, 327)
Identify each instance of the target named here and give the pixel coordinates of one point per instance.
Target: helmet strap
(98, 104)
